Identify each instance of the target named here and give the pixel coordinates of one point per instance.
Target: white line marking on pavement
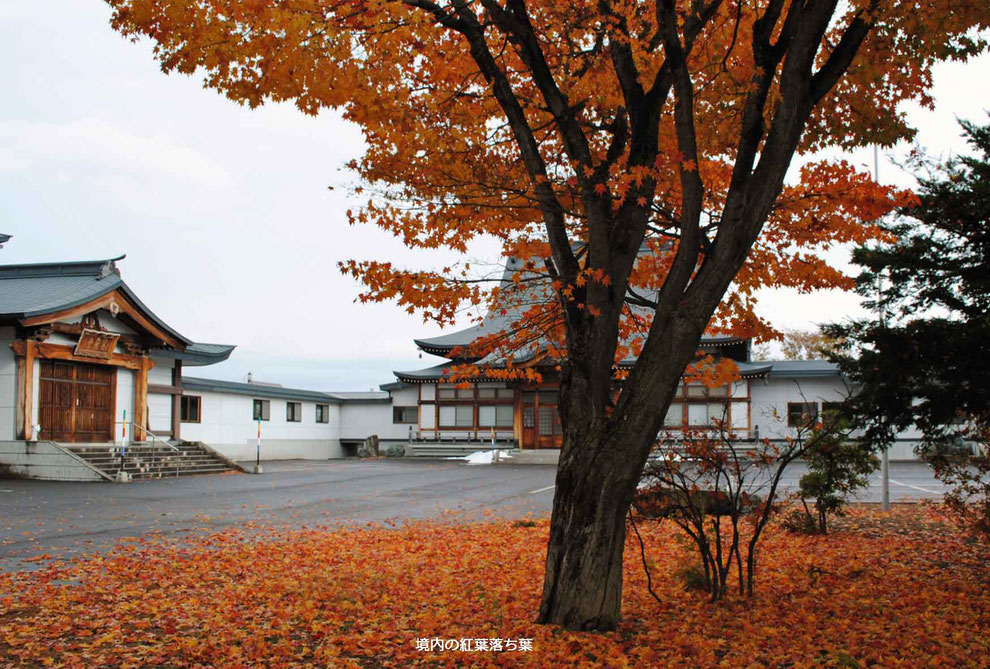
(549, 487)
(914, 487)
(6, 491)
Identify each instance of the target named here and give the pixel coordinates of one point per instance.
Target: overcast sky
(230, 231)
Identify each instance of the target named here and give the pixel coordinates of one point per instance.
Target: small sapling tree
(721, 491)
(837, 467)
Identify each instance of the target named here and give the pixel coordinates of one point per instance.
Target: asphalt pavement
(63, 520)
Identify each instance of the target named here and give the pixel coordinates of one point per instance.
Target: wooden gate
(76, 401)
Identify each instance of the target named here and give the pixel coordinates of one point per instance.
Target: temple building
(769, 400)
(92, 381)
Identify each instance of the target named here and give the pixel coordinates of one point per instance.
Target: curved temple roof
(38, 289)
(736, 348)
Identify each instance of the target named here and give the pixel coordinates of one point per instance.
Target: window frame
(184, 410)
(812, 417)
(265, 414)
(322, 413)
(398, 412)
(293, 412)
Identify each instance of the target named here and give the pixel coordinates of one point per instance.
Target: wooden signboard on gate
(96, 344)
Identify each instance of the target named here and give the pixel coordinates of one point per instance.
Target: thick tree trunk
(604, 451)
(583, 580)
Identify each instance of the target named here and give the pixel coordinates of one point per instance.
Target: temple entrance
(541, 421)
(76, 401)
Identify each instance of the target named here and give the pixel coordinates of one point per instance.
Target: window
(455, 393)
(801, 414)
(464, 416)
(529, 417)
(262, 410)
(699, 391)
(405, 414)
(322, 413)
(698, 415)
(831, 412)
(190, 408)
(293, 412)
(494, 393)
(457, 415)
(549, 422)
(495, 416)
(696, 390)
(675, 415)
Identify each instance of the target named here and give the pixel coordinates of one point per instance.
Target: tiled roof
(802, 369)
(256, 390)
(437, 372)
(43, 288)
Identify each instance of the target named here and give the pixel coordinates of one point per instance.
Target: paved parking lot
(68, 519)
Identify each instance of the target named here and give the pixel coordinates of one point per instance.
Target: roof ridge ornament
(108, 268)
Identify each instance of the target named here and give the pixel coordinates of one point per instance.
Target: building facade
(84, 362)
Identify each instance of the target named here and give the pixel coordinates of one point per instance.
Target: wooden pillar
(141, 400)
(24, 393)
(517, 416)
(177, 401)
(28, 396)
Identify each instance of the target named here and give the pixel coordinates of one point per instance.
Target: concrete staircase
(151, 460)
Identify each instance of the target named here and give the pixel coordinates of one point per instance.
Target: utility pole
(884, 456)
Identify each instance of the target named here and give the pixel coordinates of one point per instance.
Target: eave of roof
(393, 385)
(362, 397)
(75, 289)
(257, 390)
(199, 354)
(748, 370)
(803, 369)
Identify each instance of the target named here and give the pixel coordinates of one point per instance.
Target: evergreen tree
(921, 360)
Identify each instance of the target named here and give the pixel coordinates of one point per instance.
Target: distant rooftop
(268, 390)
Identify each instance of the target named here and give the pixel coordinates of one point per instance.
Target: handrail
(147, 433)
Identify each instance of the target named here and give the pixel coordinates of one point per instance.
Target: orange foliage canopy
(899, 591)
(444, 164)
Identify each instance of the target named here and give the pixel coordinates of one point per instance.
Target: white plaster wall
(159, 405)
(161, 373)
(107, 320)
(405, 397)
(360, 420)
(125, 401)
(159, 411)
(769, 398)
(8, 385)
(772, 396)
(227, 425)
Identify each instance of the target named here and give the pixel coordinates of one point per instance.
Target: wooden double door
(76, 401)
(541, 420)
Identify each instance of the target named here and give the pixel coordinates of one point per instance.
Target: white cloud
(93, 145)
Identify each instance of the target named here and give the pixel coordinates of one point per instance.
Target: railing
(147, 433)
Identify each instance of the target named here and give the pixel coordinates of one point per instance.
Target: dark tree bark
(605, 448)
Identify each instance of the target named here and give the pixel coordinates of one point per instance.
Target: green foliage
(921, 360)
(837, 467)
(693, 577)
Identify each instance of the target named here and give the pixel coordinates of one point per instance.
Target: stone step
(183, 457)
(149, 460)
(169, 471)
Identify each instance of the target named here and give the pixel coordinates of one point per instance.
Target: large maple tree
(639, 150)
